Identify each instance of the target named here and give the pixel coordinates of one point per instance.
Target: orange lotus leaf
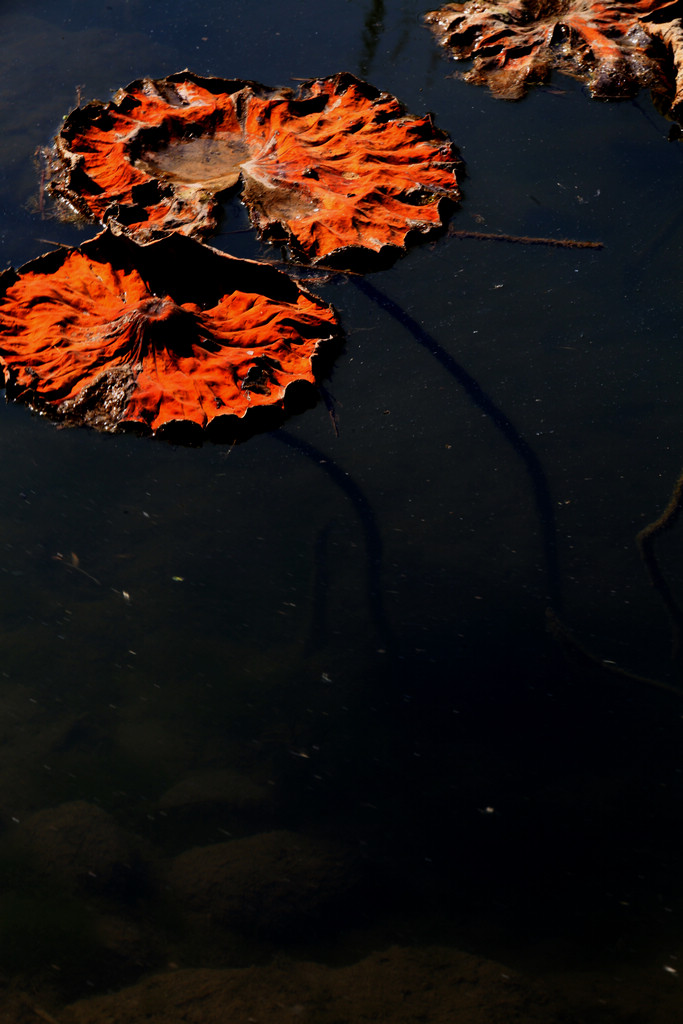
(331, 167)
(515, 42)
(117, 335)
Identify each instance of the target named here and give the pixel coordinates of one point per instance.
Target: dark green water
(345, 637)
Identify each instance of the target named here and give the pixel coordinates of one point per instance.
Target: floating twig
(73, 562)
(58, 245)
(562, 243)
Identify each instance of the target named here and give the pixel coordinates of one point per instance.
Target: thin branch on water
(74, 563)
(562, 243)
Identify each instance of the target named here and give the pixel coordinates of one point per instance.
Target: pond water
(285, 731)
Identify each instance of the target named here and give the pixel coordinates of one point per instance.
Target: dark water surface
(334, 650)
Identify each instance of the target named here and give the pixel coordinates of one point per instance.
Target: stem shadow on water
(521, 447)
(368, 521)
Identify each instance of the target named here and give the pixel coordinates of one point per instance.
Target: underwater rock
(81, 847)
(208, 805)
(211, 788)
(401, 985)
(272, 884)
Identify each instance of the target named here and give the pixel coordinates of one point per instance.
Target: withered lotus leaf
(515, 42)
(117, 334)
(670, 34)
(334, 166)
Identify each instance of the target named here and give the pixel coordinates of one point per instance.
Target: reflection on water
(284, 734)
(372, 34)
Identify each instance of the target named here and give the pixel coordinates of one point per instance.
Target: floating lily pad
(335, 167)
(516, 42)
(118, 335)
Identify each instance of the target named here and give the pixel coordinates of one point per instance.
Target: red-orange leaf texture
(607, 43)
(335, 167)
(171, 334)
